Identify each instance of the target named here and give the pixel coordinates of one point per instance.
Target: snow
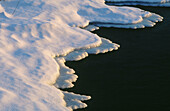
(38, 38)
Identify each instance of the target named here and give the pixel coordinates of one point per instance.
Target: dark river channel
(134, 78)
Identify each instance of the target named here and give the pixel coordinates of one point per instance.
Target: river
(134, 78)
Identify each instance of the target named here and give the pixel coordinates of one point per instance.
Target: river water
(134, 78)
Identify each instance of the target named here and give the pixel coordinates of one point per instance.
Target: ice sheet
(160, 3)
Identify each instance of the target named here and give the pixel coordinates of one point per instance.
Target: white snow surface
(39, 36)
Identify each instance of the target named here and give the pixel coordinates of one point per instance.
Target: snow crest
(38, 36)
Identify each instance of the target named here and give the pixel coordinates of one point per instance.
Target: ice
(37, 37)
(91, 28)
(76, 55)
(106, 46)
(67, 75)
(80, 54)
(74, 100)
(147, 22)
(160, 3)
(149, 1)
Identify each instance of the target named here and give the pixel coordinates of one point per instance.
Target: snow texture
(37, 37)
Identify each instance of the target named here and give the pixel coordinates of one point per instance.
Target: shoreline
(87, 71)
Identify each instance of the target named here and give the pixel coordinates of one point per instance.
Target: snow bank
(161, 3)
(40, 35)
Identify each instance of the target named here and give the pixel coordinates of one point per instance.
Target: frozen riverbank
(40, 35)
(133, 78)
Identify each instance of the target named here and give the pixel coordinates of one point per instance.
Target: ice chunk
(74, 100)
(91, 28)
(149, 21)
(76, 55)
(106, 46)
(67, 75)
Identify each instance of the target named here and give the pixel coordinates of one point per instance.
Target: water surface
(134, 78)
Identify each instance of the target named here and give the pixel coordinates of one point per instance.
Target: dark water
(134, 78)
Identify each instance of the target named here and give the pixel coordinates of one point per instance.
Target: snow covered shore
(37, 39)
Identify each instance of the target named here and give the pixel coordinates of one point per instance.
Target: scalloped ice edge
(67, 75)
(74, 101)
(147, 22)
(155, 4)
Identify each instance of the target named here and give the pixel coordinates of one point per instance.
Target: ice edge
(68, 76)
